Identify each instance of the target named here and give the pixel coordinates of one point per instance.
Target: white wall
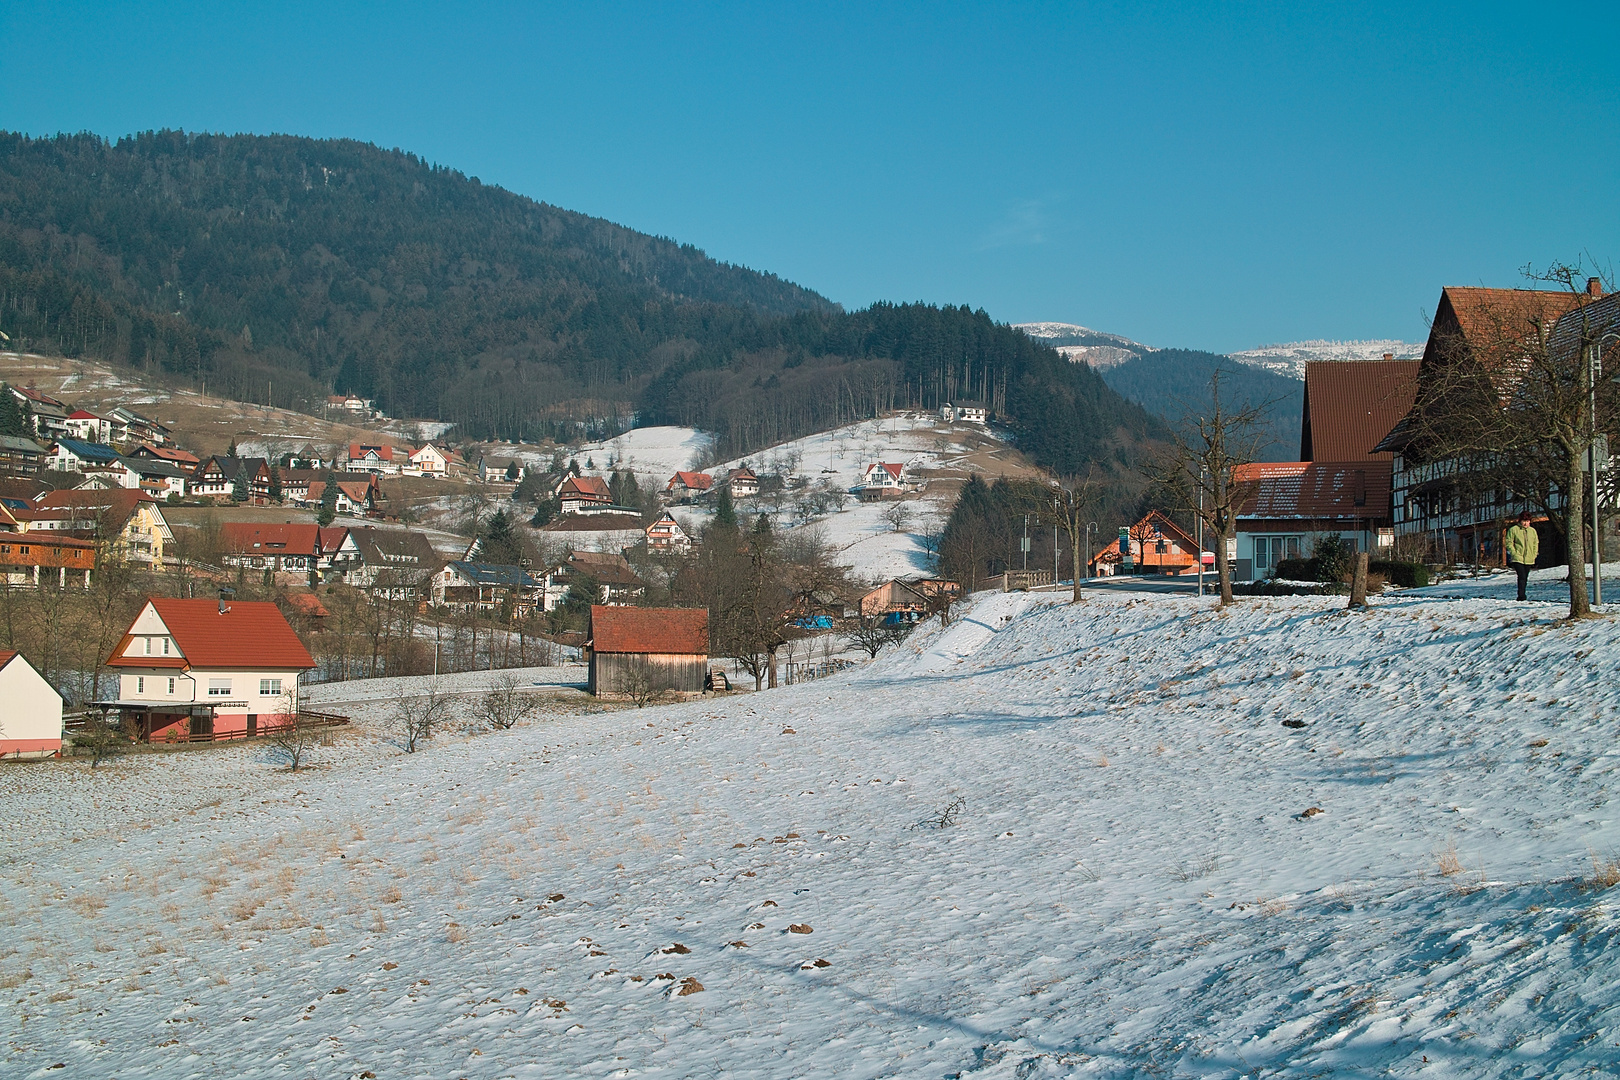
(32, 709)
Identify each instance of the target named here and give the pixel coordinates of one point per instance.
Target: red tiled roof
(117, 503)
(1350, 405)
(7, 657)
(697, 481)
(308, 604)
(360, 450)
(592, 487)
(1316, 490)
(650, 630)
(250, 634)
(331, 537)
(892, 470)
(247, 537)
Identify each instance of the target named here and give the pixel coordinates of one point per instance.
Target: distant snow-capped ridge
(1290, 359)
(1081, 344)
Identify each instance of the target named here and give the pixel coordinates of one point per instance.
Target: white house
(666, 536)
(31, 723)
(884, 478)
(428, 461)
(88, 427)
(970, 412)
(744, 484)
(189, 668)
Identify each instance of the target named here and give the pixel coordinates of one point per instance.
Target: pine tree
(499, 542)
(329, 496)
(239, 486)
(12, 419)
(725, 514)
(275, 483)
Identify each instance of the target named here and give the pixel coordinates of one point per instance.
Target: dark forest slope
(1170, 383)
(314, 266)
(331, 264)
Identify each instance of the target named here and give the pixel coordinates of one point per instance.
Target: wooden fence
(306, 719)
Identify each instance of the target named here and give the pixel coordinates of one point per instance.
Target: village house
(615, 581)
(159, 479)
(20, 456)
(394, 564)
(1432, 495)
(881, 480)
(501, 470)
(892, 597)
(46, 415)
(967, 412)
(686, 486)
(33, 711)
(666, 537)
(382, 460)
(428, 461)
(357, 498)
(280, 549)
(486, 587)
(24, 557)
(183, 459)
(586, 495)
(339, 552)
(86, 426)
(743, 483)
(216, 475)
(75, 455)
(128, 522)
(1341, 486)
(139, 428)
(633, 650)
(190, 669)
(1157, 546)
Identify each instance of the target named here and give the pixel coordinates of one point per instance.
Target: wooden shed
(667, 647)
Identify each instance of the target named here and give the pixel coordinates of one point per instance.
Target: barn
(658, 648)
(32, 724)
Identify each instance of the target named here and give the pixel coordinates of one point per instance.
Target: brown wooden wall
(666, 671)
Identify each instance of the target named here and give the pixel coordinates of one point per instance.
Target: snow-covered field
(1133, 837)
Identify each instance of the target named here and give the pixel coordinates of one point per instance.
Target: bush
(1290, 588)
(1408, 575)
(1299, 570)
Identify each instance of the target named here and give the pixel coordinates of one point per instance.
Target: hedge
(1408, 575)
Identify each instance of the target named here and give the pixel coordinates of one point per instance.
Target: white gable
(148, 622)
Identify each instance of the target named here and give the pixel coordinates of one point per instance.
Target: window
(148, 642)
(171, 686)
(1270, 550)
(269, 687)
(219, 688)
(165, 646)
(140, 684)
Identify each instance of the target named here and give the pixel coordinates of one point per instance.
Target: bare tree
(102, 738)
(639, 685)
(898, 516)
(871, 633)
(506, 704)
(1198, 467)
(293, 738)
(1071, 508)
(418, 718)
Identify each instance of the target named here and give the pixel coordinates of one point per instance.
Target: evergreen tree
(725, 514)
(275, 483)
(231, 451)
(239, 486)
(329, 497)
(12, 419)
(499, 541)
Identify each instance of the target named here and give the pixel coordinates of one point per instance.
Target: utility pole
(1200, 531)
(1026, 542)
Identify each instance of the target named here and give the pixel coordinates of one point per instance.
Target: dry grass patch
(1605, 871)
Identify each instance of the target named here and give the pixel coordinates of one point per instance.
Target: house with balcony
(127, 523)
(288, 552)
(666, 537)
(191, 669)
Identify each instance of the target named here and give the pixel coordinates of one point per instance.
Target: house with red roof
(190, 669)
(1157, 546)
(686, 486)
(86, 426)
(884, 478)
(657, 648)
(33, 714)
(586, 495)
(666, 537)
(279, 549)
(128, 523)
(743, 483)
(382, 460)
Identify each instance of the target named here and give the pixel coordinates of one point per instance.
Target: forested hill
(285, 268)
(335, 265)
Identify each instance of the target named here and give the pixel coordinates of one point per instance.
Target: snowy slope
(656, 453)
(1291, 359)
(1129, 882)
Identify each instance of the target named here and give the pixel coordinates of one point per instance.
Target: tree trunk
(1074, 541)
(1358, 582)
(1223, 571)
(1574, 537)
(772, 683)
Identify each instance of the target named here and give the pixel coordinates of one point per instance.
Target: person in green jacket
(1522, 547)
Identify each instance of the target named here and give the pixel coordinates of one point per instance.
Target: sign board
(1209, 558)
(1231, 550)
(1126, 555)
(1386, 538)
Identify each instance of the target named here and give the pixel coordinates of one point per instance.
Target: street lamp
(1091, 527)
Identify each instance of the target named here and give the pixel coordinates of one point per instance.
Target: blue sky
(1208, 176)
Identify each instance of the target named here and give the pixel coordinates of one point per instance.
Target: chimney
(1594, 286)
(224, 594)
(1389, 356)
